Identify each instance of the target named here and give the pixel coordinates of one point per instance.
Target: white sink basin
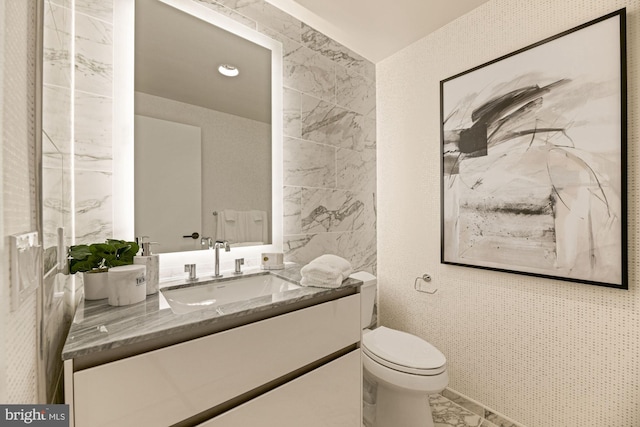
(212, 295)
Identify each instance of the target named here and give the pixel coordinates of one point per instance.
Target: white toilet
(400, 370)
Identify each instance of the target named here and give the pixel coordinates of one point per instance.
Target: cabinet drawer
(325, 397)
(168, 385)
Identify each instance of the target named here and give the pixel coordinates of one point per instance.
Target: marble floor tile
(471, 406)
(448, 414)
(497, 420)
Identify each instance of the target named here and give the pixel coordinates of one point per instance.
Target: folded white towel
(335, 261)
(322, 283)
(325, 271)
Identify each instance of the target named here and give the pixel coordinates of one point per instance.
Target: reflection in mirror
(203, 151)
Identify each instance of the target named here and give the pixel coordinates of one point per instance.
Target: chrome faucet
(220, 244)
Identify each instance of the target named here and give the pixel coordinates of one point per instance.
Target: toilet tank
(367, 296)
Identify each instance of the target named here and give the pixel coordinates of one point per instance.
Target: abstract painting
(533, 167)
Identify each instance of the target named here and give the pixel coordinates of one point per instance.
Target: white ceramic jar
(127, 285)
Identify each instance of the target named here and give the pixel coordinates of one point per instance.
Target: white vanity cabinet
(326, 396)
(273, 372)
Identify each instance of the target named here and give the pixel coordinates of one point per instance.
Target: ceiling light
(228, 70)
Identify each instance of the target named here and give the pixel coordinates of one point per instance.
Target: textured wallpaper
(19, 192)
(544, 353)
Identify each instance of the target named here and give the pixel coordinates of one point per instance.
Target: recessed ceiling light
(228, 70)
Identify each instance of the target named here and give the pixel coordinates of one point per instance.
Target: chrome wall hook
(425, 278)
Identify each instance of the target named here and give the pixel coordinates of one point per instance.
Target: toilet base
(397, 408)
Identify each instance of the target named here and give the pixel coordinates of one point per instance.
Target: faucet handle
(191, 269)
(239, 263)
(227, 248)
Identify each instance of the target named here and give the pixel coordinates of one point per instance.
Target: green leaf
(79, 252)
(112, 253)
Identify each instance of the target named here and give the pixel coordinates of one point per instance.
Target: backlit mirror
(202, 161)
(207, 147)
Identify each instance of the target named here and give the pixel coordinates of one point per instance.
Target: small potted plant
(94, 260)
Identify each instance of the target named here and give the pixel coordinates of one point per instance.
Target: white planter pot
(96, 285)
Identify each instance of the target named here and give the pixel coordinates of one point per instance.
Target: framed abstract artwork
(533, 159)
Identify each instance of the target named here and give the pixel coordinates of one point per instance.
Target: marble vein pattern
(303, 248)
(448, 414)
(292, 107)
(102, 10)
(56, 40)
(359, 248)
(355, 92)
(98, 326)
(370, 130)
(289, 46)
(329, 124)
(308, 164)
(330, 210)
(489, 418)
(94, 55)
(230, 13)
(51, 155)
(56, 123)
(336, 52)
(465, 403)
(292, 210)
(266, 15)
(497, 420)
(54, 204)
(93, 133)
(311, 73)
(356, 169)
(63, 3)
(93, 206)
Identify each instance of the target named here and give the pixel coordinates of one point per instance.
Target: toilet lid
(402, 351)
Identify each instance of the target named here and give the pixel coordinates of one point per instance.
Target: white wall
(542, 352)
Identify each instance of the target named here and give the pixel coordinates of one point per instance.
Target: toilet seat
(403, 352)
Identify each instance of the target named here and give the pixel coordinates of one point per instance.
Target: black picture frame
(534, 159)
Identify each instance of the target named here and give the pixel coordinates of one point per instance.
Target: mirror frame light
(123, 133)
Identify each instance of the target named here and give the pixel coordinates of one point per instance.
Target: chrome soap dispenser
(152, 262)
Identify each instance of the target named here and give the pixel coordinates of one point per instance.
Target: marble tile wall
(93, 120)
(56, 188)
(76, 142)
(329, 138)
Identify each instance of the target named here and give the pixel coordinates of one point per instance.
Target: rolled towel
(325, 271)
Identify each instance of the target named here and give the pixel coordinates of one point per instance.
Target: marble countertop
(98, 327)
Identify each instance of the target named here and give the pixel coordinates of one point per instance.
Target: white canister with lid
(127, 284)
